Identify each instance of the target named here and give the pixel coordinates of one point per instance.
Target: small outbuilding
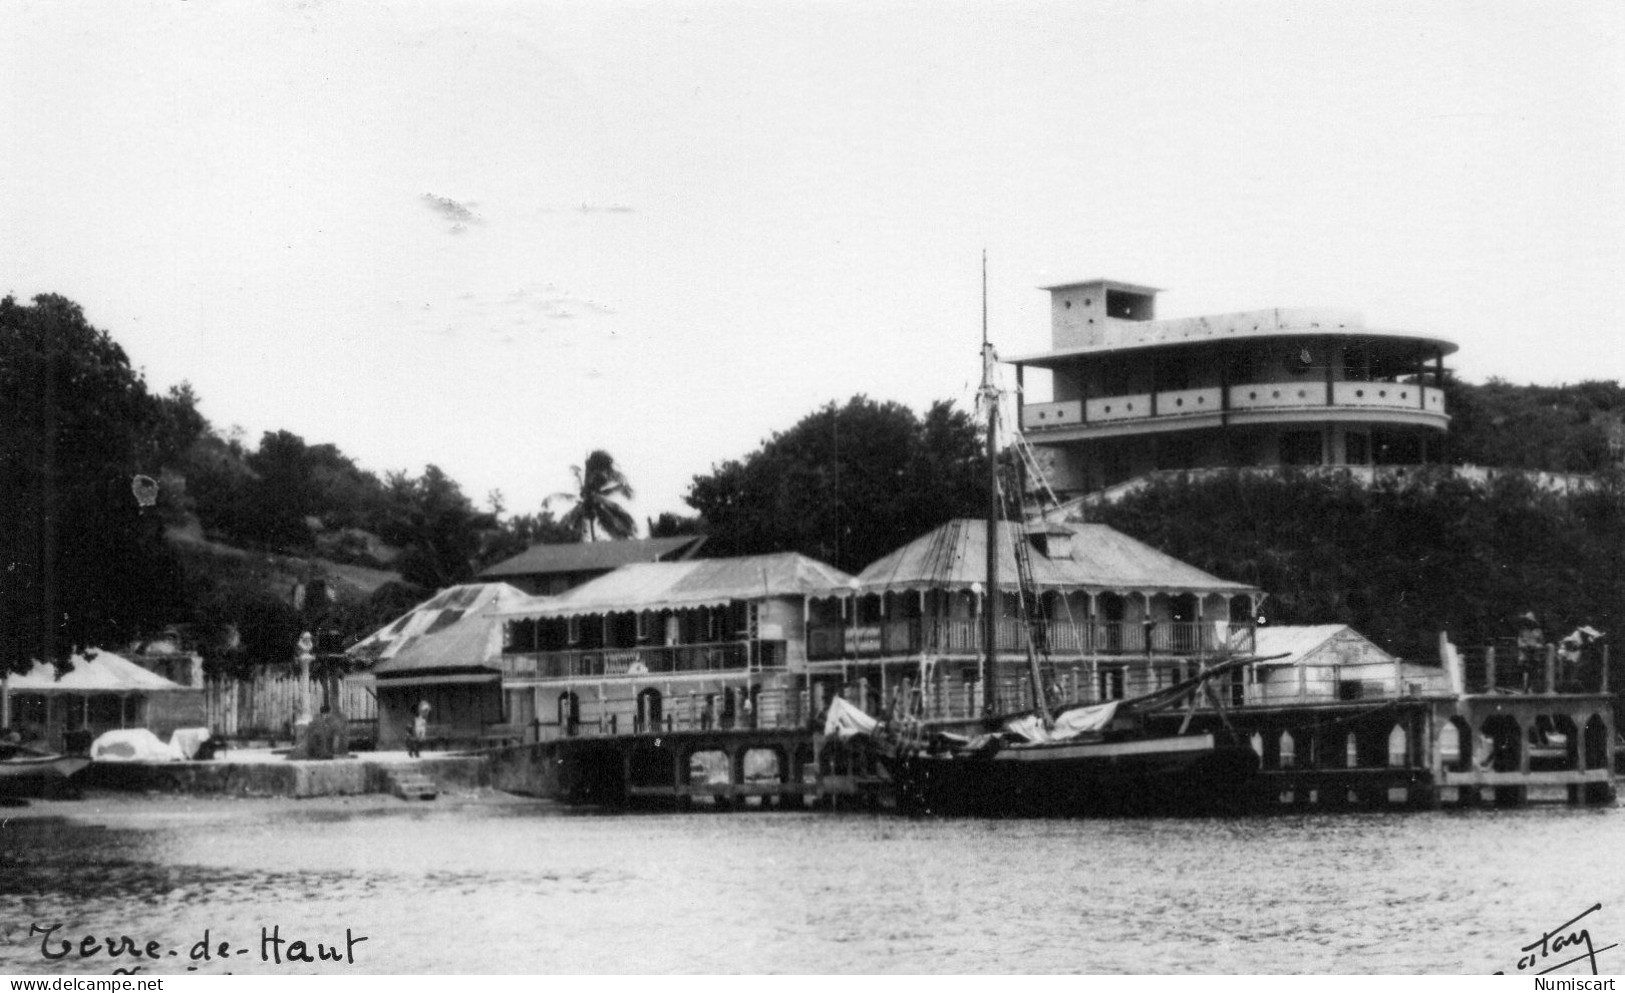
(1326, 662)
(100, 692)
(446, 652)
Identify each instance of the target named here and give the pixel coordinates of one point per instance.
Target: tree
(600, 486)
(846, 484)
(670, 525)
(83, 565)
(1399, 560)
(439, 527)
(517, 533)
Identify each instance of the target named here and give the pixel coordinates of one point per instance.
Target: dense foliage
(846, 484)
(1549, 428)
(79, 561)
(1400, 560)
(78, 424)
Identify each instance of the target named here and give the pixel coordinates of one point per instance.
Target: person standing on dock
(1531, 649)
(420, 730)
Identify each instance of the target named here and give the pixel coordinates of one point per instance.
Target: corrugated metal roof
(457, 628)
(590, 556)
(955, 555)
(695, 583)
(105, 672)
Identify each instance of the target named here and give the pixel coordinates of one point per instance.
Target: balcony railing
(737, 656)
(915, 636)
(1173, 405)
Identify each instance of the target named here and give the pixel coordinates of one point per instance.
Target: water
(479, 885)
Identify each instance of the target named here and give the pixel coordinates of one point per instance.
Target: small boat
(25, 763)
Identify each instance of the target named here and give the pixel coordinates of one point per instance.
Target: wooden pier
(1417, 752)
(1425, 752)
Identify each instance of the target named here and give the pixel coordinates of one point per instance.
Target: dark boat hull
(1181, 776)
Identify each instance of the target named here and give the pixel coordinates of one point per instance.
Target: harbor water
(489, 884)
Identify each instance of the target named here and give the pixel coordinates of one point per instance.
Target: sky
(493, 237)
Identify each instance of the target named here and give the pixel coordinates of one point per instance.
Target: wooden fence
(267, 707)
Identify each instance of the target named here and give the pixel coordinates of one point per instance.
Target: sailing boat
(1100, 759)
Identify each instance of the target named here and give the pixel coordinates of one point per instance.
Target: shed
(447, 651)
(1327, 662)
(99, 692)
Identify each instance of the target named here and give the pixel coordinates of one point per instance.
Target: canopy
(694, 583)
(1064, 556)
(92, 672)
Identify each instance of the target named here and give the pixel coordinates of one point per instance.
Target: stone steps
(410, 784)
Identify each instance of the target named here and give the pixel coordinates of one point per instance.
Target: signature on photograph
(1568, 944)
(132, 954)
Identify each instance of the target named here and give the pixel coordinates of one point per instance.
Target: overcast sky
(494, 236)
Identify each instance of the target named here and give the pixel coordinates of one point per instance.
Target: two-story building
(1115, 618)
(697, 644)
(1131, 394)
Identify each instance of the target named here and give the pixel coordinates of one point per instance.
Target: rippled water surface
(483, 886)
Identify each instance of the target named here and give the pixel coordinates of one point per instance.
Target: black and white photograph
(727, 488)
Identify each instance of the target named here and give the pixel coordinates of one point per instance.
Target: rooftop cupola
(1082, 312)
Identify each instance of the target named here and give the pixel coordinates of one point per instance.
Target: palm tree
(599, 487)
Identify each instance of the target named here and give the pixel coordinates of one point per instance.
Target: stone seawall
(336, 777)
(529, 770)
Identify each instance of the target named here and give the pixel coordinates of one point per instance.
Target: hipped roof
(457, 629)
(98, 672)
(695, 583)
(592, 556)
(954, 556)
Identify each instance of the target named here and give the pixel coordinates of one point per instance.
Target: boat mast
(993, 605)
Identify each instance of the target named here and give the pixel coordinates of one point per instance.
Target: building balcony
(920, 637)
(1250, 403)
(616, 663)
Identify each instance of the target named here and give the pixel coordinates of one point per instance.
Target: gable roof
(694, 583)
(455, 629)
(593, 556)
(954, 556)
(92, 672)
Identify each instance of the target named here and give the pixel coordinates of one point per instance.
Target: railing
(610, 662)
(964, 637)
(1176, 404)
(770, 709)
(1504, 667)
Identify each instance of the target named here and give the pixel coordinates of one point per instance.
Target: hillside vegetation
(249, 544)
(1400, 560)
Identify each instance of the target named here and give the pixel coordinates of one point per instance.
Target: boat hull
(1188, 775)
(21, 767)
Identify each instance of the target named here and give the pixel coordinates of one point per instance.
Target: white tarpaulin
(845, 720)
(133, 745)
(1070, 724)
